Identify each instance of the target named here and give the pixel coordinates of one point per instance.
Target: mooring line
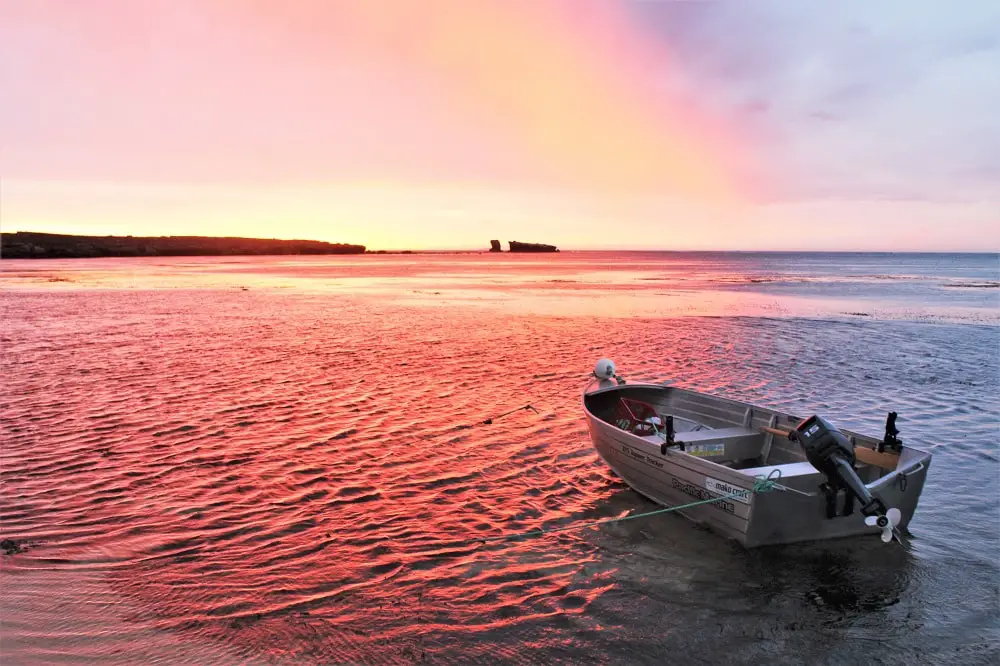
(761, 484)
(516, 409)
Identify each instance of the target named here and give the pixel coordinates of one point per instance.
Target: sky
(442, 124)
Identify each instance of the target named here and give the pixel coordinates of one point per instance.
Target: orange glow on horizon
(462, 121)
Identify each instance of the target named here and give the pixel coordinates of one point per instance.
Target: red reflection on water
(301, 473)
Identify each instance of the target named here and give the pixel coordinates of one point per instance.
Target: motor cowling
(832, 453)
(822, 443)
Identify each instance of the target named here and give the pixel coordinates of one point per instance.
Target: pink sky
(437, 124)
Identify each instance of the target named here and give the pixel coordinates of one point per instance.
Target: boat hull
(794, 513)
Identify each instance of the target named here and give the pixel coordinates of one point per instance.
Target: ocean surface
(284, 460)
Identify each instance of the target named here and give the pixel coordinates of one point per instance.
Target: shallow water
(282, 460)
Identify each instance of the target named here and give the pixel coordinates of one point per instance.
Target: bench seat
(787, 470)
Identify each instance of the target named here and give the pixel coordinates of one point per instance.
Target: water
(282, 460)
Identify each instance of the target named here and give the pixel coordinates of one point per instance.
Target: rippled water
(278, 461)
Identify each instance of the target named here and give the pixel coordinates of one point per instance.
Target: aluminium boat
(756, 475)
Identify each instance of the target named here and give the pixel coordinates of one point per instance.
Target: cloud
(848, 100)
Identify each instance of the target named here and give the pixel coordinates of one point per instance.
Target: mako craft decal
(742, 494)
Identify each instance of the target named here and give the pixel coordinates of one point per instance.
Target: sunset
(438, 124)
(499, 332)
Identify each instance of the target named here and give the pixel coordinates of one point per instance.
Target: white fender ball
(605, 369)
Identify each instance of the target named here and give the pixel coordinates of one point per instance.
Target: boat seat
(717, 435)
(707, 436)
(787, 470)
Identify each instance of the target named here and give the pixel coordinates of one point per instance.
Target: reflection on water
(842, 586)
(946, 287)
(279, 476)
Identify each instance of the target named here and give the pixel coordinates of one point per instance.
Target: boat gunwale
(747, 405)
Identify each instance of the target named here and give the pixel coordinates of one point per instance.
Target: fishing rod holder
(669, 435)
(889, 439)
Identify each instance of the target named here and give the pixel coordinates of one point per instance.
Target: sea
(332, 459)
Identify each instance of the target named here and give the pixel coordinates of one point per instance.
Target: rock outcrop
(517, 246)
(495, 246)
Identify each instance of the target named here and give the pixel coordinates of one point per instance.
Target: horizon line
(486, 250)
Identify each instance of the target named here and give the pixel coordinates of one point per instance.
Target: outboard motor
(829, 451)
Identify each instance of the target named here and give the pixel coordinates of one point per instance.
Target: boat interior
(722, 431)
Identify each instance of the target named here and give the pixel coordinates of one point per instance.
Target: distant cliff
(31, 245)
(517, 246)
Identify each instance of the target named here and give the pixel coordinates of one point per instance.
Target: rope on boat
(761, 484)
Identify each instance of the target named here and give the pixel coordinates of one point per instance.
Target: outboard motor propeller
(886, 523)
(832, 453)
